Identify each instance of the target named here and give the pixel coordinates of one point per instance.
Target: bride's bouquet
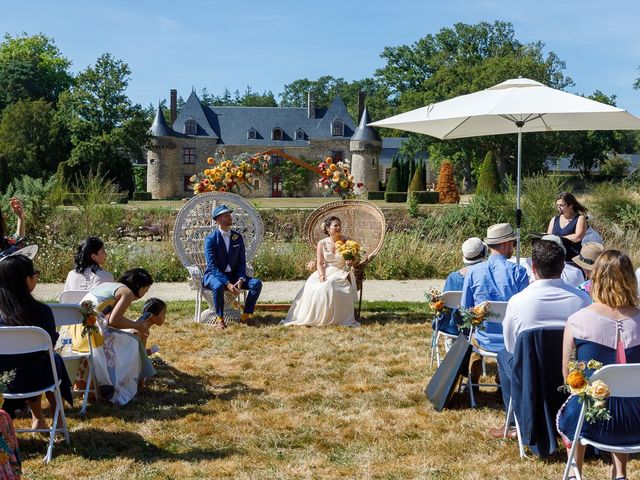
(350, 250)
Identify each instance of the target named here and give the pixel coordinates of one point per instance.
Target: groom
(226, 266)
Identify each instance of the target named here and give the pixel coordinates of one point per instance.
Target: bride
(328, 295)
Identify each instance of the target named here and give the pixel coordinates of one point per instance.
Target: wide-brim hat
(589, 253)
(219, 210)
(30, 251)
(474, 250)
(500, 233)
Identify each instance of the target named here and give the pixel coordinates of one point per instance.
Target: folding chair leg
(434, 344)
(87, 388)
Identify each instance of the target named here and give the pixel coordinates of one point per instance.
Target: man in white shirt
(546, 303)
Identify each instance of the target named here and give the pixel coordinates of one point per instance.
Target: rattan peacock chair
(361, 221)
(193, 224)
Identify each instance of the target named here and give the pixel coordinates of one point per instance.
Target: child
(153, 311)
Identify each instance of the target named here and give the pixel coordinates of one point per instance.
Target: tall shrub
(393, 182)
(489, 179)
(417, 183)
(446, 187)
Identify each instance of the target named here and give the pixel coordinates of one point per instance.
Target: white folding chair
(72, 296)
(496, 314)
(69, 314)
(451, 300)
(623, 381)
(18, 340)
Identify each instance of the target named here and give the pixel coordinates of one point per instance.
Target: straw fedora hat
(500, 233)
(589, 253)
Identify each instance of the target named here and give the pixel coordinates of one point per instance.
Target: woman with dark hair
(88, 260)
(570, 224)
(123, 361)
(328, 295)
(607, 331)
(18, 278)
(8, 241)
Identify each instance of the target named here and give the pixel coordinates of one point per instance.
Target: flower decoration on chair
(436, 304)
(336, 178)
(5, 379)
(225, 175)
(593, 395)
(89, 318)
(475, 316)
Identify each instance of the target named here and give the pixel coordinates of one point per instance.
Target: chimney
(174, 105)
(311, 105)
(362, 97)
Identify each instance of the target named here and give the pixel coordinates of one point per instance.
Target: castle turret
(365, 147)
(162, 156)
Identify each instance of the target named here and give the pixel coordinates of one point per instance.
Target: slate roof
(159, 127)
(231, 124)
(364, 132)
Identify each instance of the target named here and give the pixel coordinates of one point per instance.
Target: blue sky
(218, 44)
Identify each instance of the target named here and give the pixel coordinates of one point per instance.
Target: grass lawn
(271, 402)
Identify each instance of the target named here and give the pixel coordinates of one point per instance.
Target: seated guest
(589, 253)
(88, 261)
(496, 279)
(474, 251)
(122, 361)
(571, 274)
(547, 303)
(606, 331)
(18, 278)
(224, 252)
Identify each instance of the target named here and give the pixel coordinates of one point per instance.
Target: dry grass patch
(291, 403)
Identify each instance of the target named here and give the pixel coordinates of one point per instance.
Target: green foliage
(140, 178)
(31, 68)
(295, 179)
(33, 140)
(142, 196)
(375, 195)
(249, 98)
(610, 201)
(538, 201)
(417, 183)
(413, 207)
(615, 166)
(393, 182)
(395, 197)
(489, 179)
(425, 197)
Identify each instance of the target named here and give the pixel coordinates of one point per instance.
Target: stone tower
(365, 147)
(162, 159)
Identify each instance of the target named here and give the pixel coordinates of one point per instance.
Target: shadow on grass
(97, 444)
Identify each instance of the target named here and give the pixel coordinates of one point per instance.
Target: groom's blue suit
(217, 278)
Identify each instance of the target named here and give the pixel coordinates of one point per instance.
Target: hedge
(395, 197)
(142, 196)
(375, 195)
(425, 197)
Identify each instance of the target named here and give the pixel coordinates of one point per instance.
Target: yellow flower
(210, 161)
(332, 167)
(598, 390)
(344, 184)
(239, 174)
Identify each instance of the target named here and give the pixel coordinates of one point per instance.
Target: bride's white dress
(326, 303)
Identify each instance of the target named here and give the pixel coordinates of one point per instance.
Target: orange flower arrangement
(436, 304)
(593, 396)
(474, 317)
(229, 175)
(337, 178)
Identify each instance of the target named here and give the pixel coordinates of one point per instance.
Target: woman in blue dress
(607, 331)
(570, 224)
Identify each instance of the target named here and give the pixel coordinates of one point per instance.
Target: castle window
(251, 134)
(190, 127)
(276, 134)
(187, 187)
(188, 156)
(256, 184)
(373, 161)
(299, 134)
(337, 128)
(337, 156)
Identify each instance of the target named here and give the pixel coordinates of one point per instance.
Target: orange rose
(599, 390)
(91, 320)
(437, 305)
(576, 381)
(210, 161)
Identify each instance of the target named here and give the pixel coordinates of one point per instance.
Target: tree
(446, 188)
(33, 140)
(417, 183)
(106, 128)
(248, 99)
(31, 67)
(393, 182)
(588, 150)
(464, 59)
(295, 179)
(488, 179)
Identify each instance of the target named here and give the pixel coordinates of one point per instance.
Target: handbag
(440, 388)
